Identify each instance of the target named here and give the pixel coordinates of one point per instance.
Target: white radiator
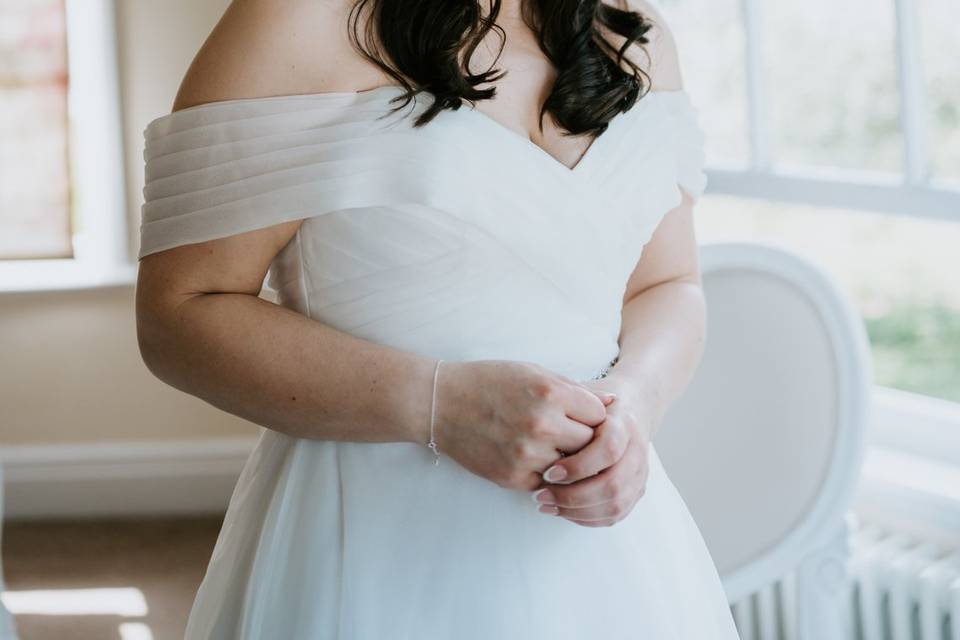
(900, 589)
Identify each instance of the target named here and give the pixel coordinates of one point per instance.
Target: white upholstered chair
(766, 442)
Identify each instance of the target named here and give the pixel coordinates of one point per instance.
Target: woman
(465, 319)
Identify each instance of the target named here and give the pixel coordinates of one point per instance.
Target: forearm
(662, 338)
(279, 369)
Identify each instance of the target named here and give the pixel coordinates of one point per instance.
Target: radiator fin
(901, 588)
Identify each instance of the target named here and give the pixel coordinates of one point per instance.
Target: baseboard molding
(118, 479)
(192, 477)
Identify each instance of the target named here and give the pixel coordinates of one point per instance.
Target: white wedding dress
(461, 240)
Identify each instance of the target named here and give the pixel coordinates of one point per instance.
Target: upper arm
(270, 47)
(664, 63)
(235, 264)
(258, 48)
(671, 253)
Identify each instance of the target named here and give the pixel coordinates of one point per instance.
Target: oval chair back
(765, 445)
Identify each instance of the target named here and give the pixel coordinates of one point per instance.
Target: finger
(550, 499)
(618, 505)
(606, 397)
(615, 509)
(621, 479)
(609, 443)
(608, 510)
(572, 436)
(583, 405)
(593, 523)
(603, 511)
(565, 437)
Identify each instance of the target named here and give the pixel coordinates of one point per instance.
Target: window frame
(911, 192)
(925, 426)
(101, 253)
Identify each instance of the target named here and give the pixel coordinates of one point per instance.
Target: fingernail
(544, 496)
(549, 508)
(555, 473)
(611, 396)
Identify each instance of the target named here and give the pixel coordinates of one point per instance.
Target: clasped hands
(580, 448)
(600, 484)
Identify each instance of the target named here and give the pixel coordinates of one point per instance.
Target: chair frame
(818, 547)
(7, 630)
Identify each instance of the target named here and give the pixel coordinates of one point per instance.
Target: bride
(477, 218)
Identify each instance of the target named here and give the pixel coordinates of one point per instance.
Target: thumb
(605, 396)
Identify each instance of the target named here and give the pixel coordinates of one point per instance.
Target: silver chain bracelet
(433, 409)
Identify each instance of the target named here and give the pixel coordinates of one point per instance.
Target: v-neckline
(529, 146)
(524, 142)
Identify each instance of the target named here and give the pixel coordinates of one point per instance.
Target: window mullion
(841, 189)
(96, 116)
(761, 156)
(916, 164)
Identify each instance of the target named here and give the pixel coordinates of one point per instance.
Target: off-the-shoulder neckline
(362, 93)
(359, 97)
(356, 95)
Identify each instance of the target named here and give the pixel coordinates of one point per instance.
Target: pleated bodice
(461, 236)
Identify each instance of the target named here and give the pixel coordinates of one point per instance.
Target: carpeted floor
(116, 580)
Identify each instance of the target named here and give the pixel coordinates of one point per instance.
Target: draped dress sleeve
(657, 156)
(229, 167)
(689, 145)
(223, 168)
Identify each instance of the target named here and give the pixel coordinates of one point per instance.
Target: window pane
(899, 271)
(710, 40)
(940, 30)
(831, 82)
(34, 184)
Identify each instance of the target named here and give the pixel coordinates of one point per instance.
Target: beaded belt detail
(605, 370)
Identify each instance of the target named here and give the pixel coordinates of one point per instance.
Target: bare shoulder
(661, 59)
(264, 48)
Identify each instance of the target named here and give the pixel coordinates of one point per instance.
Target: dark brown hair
(425, 45)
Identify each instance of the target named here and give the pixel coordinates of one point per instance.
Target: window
(893, 267)
(34, 182)
(62, 209)
(833, 129)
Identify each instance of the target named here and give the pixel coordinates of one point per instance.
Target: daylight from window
(34, 164)
(832, 101)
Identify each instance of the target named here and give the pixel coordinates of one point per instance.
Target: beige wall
(70, 371)
(156, 42)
